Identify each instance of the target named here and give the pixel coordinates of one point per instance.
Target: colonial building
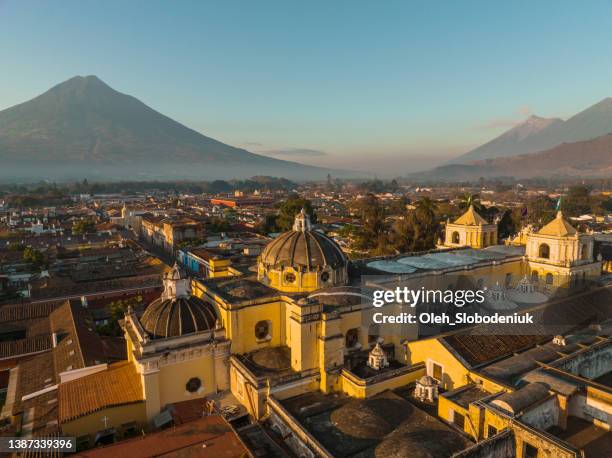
(471, 230)
(558, 255)
(178, 346)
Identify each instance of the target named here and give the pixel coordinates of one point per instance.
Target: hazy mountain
(512, 141)
(83, 127)
(538, 134)
(590, 158)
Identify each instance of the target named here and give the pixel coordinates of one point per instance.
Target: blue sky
(372, 85)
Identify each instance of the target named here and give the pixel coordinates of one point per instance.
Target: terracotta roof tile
(118, 385)
(20, 347)
(209, 437)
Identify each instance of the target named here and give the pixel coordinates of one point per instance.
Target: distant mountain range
(539, 147)
(539, 134)
(84, 128)
(587, 159)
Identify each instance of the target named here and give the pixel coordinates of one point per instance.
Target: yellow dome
(303, 248)
(302, 260)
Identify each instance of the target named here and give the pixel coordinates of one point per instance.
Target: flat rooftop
(384, 425)
(464, 396)
(441, 260)
(595, 441)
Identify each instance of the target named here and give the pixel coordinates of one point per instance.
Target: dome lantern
(177, 312)
(302, 222)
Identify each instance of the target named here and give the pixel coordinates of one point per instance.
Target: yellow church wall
(447, 409)
(115, 417)
(150, 383)
(430, 351)
(304, 354)
(488, 384)
(241, 326)
(239, 322)
(245, 391)
(174, 377)
(362, 389)
(491, 418)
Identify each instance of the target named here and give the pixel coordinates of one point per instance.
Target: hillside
(83, 127)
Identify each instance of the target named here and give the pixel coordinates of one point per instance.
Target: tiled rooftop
(118, 385)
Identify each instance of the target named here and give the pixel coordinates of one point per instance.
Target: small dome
(303, 247)
(178, 316)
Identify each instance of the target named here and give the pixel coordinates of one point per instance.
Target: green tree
(34, 257)
(291, 207)
(84, 226)
(507, 225)
(540, 210)
(578, 201)
(116, 311)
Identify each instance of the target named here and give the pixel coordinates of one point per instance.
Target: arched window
(534, 276)
(544, 251)
(455, 237)
(584, 251)
(549, 279)
(508, 281)
(352, 337)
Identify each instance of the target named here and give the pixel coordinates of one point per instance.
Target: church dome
(303, 247)
(177, 316)
(302, 260)
(177, 312)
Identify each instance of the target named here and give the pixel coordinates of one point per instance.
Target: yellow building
(560, 256)
(178, 346)
(470, 230)
(302, 260)
(302, 325)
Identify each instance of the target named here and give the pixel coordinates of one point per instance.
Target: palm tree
(468, 199)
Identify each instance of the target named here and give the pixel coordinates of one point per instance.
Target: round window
(262, 330)
(193, 385)
(325, 276)
(290, 277)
